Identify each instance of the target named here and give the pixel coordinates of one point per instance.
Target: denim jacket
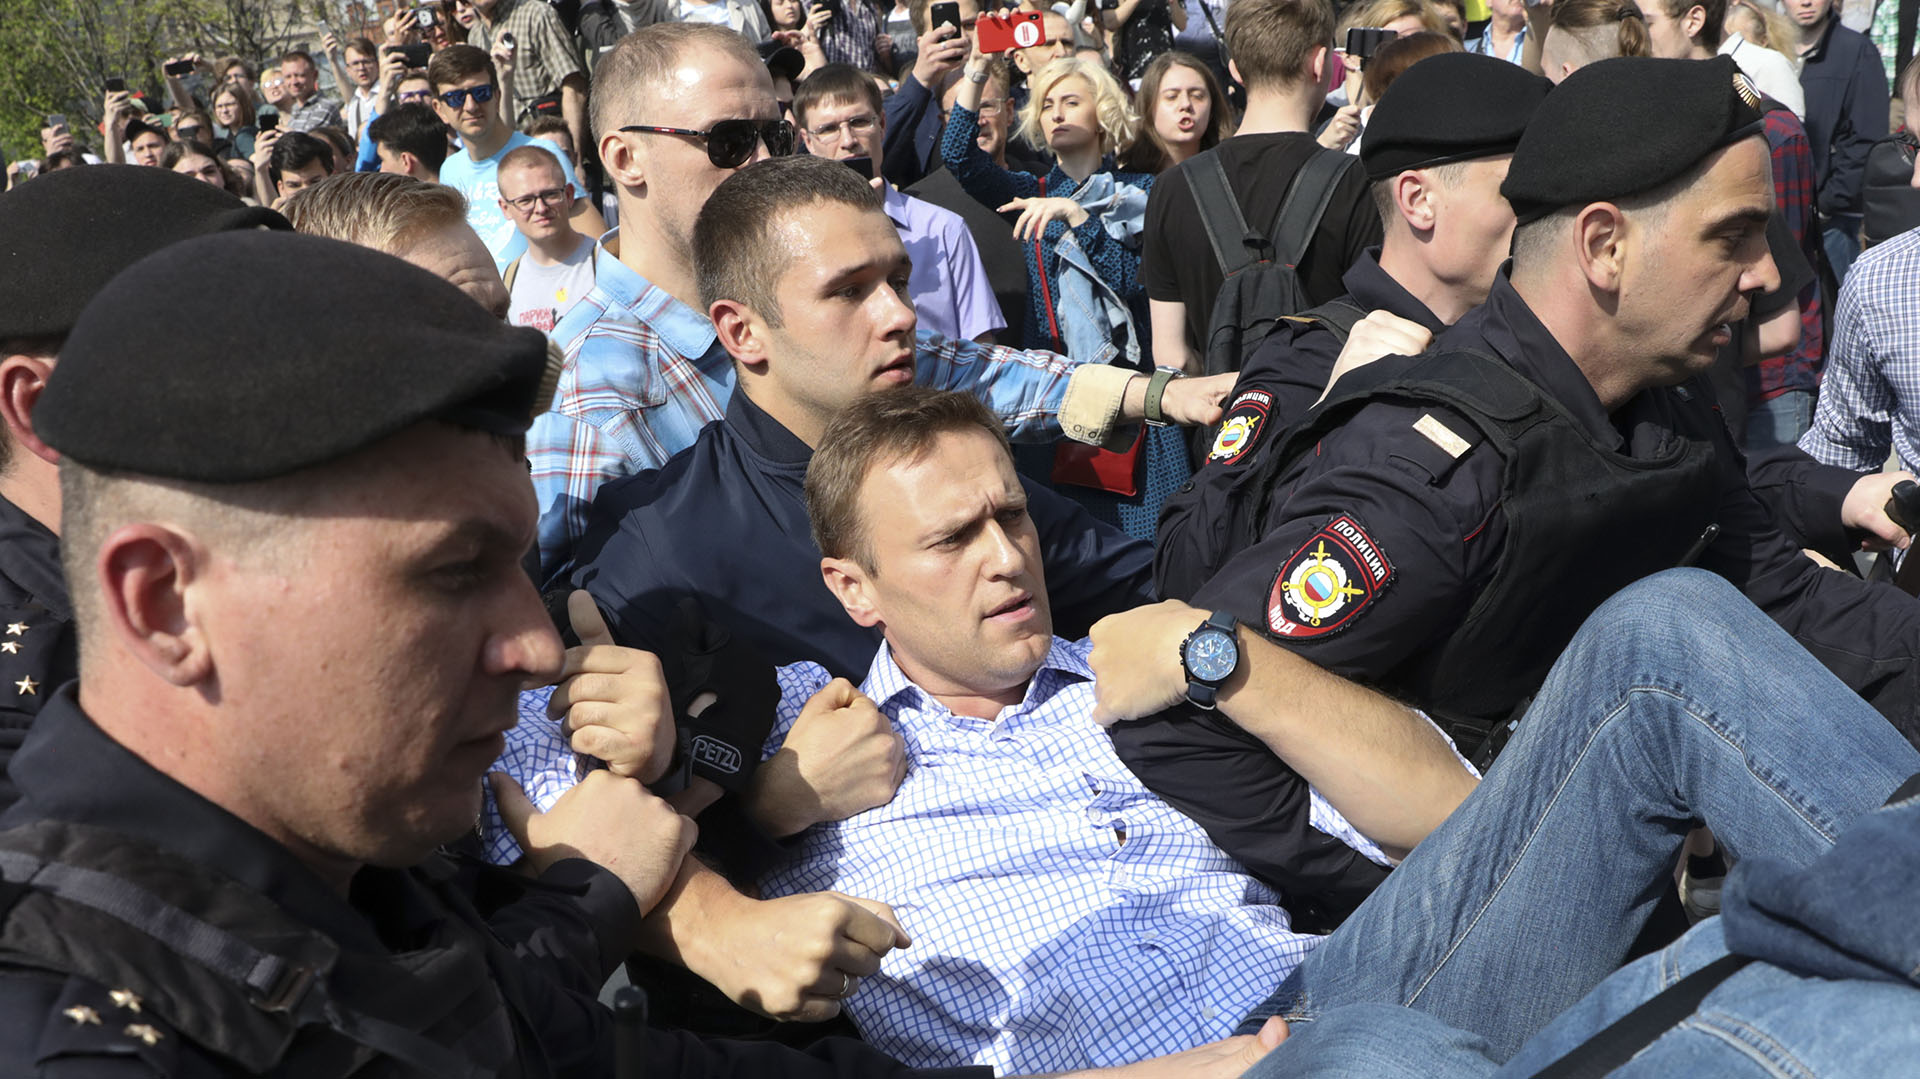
(1091, 313)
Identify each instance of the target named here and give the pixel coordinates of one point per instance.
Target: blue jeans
(1779, 420)
(1677, 703)
(1841, 238)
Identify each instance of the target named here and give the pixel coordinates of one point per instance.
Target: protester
(839, 113)
(546, 62)
(1143, 31)
(467, 98)
(285, 163)
(1869, 406)
(1507, 30)
(410, 140)
(356, 66)
(305, 107)
(1182, 110)
(1847, 97)
(188, 159)
(233, 112)
(556, 270)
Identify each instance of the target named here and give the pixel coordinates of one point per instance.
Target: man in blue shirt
(466, 95)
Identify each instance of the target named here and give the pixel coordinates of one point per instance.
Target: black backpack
(1262, 285)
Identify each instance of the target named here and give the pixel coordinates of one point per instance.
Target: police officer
(60, 241)
(299, 597)
(1439, 526)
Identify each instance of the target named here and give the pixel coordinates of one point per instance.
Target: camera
(425, 18)
(1363, 40)
(1018, 30)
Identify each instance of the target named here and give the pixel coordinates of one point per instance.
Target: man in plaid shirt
(546, 58)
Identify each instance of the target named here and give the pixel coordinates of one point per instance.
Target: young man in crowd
(286, 163)
(306, 108)
(1279, 49)
(1847, 102)
(466, 90)
(410, 140)
(681, 107)
(914, 112)
(546, 59)
(556, 270)
(838, 111)
(356, 66)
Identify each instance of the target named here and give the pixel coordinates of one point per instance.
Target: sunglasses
(457, 99)
(730, 143)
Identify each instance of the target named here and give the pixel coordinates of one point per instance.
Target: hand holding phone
(945, 13)
(116, 85)
(177, 68)
(1014, 30)
(267, 123)
(1362, 41)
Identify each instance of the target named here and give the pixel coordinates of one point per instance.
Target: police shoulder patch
(1325, 585)
(1240, 428)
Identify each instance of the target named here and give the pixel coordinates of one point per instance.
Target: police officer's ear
(22, 376)
(1413, 199)
(147, 573)
(850, 583)
(741, 332)
(1602, 239)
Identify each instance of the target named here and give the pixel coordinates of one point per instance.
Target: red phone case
(1020, 30)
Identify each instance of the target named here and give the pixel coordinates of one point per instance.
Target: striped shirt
(1870, 399)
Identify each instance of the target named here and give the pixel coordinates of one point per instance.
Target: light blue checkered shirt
(1042, 939)
(1870, 396)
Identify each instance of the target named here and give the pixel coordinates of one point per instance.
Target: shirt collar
(891, 690)
(33, 560)
(1376, 289)
(763, 434)
(684, 330)
(1525, 343)
(71, 770)
(895, 201)
(1819, 50)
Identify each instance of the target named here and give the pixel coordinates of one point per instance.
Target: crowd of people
(1157, 538)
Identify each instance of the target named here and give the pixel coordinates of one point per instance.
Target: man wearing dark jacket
(1847, 98)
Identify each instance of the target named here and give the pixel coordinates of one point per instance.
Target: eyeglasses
(552, 196)
(457, 99)
(730, 143)
(990, 108)
(861, 125)
(192, 132)
(416, 95)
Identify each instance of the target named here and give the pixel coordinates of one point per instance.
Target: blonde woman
(1080, 229)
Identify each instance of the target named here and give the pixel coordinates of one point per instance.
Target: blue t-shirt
(479, 182)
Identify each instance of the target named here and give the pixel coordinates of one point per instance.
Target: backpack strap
(1336, 315)
(512, 271)
(1606, 1051)
(1306, 203)
(1235, 245)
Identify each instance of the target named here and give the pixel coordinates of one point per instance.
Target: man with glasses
(359, 71)
(556, 271)
(839, 113)
(465, 88)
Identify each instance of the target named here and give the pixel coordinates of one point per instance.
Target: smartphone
(56, 120)
(116, 85)
(861, 165)
(832, 6)
(945, 13)
(507, 40)
(1363, 40)
(425, 18)
(179, 68)
(1015, 30)
(415, 55)
(267, 123)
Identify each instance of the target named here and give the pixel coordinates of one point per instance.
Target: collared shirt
(479, 181)
(1484, 44)
(1062, 916)
(319, 111)
(950, 290)
(360, 109)
(847, 38)
(1793, 199)
(645, 373)
(544, 53)
(1870, 400)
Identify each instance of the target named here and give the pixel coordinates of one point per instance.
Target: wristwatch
(1210, 654)
(1156, 389)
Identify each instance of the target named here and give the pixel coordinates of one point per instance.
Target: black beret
(1451, 107)
(65, 234)
(249, 355)
(783, 61)
(1624, 126)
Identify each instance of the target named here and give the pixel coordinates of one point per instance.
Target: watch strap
(1204, 694)
(1157, 389)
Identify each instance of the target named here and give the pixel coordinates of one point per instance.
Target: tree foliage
(56, 55)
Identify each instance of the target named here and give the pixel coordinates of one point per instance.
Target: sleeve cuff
(606, 902)
(1090, 409)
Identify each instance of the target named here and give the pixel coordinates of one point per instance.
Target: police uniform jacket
(1380, 537)
(507, 993)
(726, 521)
(37, 651)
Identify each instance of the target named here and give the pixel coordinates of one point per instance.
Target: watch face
(1212, 655)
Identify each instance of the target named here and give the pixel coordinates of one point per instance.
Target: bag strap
(1306, 203)
(1235, 245)
(1337, 315)
(1046, 290)
(1606, 1051)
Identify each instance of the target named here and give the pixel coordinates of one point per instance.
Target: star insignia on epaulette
(125, 998)
(15, 629)
(11, 648)
(81, 1015)
(29, 688)
(145, 1033)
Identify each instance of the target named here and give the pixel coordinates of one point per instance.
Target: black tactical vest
(1582, 521)
(242, 979)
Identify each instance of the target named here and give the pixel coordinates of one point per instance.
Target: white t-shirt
(479, 182)
(542, 295)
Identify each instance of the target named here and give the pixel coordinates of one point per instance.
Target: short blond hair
(381, 210)
(1119, 125)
